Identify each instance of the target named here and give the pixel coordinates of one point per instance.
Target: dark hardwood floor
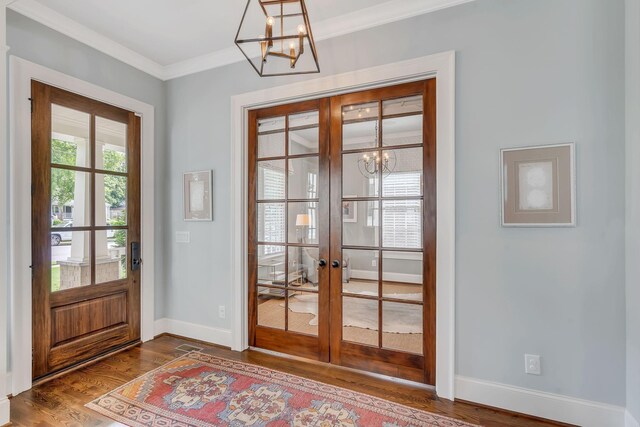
(60, 402)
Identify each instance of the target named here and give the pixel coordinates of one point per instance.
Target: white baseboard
(391, 277)
(8, 383)
(4, 411)
(630, 421)
(193, 331)
(540, 404)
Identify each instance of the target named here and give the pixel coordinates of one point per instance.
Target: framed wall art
(538, 186)
(349, 210)
(197, 196)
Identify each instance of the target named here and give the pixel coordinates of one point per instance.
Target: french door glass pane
(111, 200)
(359, 175)
(402, 327)
(399, 131)
(271, 265)
(407, 105)
(271, 307)
(304, 133)
(303, 178)
(271, 180)
(402, 224)
(111, 255)
(70, 198)
(303, 267)
(360, 126)
(70, 260)
(271, 137)
(360, 272)
(303, 312)
(303, 223)
(70, 144)
(111, 145)
(360, 223)
(405, 179)
(360, 320)
(271, 222)
(402, 275)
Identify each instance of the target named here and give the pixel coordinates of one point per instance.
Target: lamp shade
(302, 220)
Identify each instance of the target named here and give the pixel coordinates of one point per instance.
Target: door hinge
(31, 101)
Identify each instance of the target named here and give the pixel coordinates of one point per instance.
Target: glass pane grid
(88, 190)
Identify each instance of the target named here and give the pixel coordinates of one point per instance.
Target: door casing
(22, 72)
(442, 66)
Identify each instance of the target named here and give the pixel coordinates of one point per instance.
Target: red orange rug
(200, 390)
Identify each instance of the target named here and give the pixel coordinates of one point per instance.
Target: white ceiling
(171, 38)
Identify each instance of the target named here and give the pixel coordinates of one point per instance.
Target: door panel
(289, 229)
(85, 213)
(383, 231)
(372, 219)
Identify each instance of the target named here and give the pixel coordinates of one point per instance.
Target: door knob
(322, 262)
(335, 263)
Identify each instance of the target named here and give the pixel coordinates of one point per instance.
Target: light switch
(183, 237)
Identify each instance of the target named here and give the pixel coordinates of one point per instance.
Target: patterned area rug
(200, 390)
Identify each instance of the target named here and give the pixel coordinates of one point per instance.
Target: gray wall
(34, 42)
(529, 72)
(633, 207)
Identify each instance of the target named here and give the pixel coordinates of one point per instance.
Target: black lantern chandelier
(275, 36)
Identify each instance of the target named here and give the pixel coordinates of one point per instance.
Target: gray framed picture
(197, 196)
(538, 186)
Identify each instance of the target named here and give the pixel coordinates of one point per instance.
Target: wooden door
(383, 230)
(85, 228)
(289, 229)
(373, 205)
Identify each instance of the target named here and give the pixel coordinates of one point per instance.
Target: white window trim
(440, 65)
(21, 74)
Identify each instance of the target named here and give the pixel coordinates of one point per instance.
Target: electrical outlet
(532, 364)
(374, 263)
(221, 311)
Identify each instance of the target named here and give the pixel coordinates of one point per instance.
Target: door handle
(136, 261)
(335, 263)
(322, 262)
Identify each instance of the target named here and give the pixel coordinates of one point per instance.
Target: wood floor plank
(60, 402)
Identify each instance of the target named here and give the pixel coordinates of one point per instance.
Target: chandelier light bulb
(270, 21)
(302, 29)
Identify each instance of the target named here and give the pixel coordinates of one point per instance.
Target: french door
(85, 228)
(342, 230)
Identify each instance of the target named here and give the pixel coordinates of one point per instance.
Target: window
(274, 215)
(312, 211)
(402, 219)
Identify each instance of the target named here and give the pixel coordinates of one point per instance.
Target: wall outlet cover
(532, 364)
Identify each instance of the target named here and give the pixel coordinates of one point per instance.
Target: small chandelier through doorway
(275, 36)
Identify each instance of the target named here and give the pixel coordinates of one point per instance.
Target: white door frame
(21, 74)
(4, 261)
(441, 66)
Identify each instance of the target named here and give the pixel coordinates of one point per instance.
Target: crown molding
(370, 17)
(60, 23)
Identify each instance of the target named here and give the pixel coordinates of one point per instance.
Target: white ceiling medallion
(373, 16)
